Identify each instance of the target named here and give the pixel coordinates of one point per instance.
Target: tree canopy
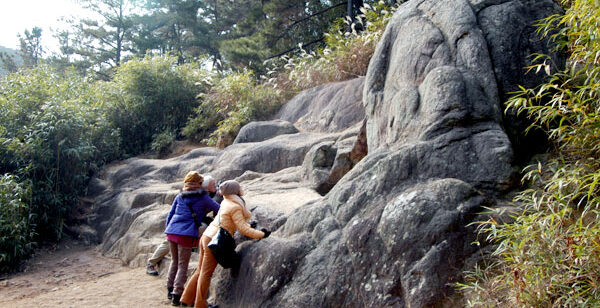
(229, 34)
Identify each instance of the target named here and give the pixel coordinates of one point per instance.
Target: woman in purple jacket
(188, 209)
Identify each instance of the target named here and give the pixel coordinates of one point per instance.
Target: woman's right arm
(212, 205)
(244, 228)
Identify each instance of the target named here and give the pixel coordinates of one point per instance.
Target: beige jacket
(234, 216)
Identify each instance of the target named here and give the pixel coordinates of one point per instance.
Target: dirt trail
(74, 275)
(71, 274)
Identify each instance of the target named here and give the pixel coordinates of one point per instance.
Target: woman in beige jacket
(233, 216)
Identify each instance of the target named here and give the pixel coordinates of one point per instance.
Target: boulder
(263, 130)
(136, 188)
(394, 231)
(268, 156)
(511, 41)
(317, 165)
(126, 211)
(328, 108)
(282, 191)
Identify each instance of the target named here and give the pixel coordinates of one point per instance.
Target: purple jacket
(180, 220)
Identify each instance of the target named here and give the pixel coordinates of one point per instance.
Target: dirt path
(73, 275)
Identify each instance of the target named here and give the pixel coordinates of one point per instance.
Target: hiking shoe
(176, 300)
(169, 292)
(151, 270)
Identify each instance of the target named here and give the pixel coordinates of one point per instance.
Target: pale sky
(18, 15)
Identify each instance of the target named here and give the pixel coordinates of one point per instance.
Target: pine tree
(105, 41)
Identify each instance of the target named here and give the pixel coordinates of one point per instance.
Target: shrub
(54, 136)
(346, 55)
(16, 222)
(238, 100)
(149, 96)
(549, 255)
(203, 121)
(162, 143)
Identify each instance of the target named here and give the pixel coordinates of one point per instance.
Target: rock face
(260, 131)
(328, 108)
(511, 37)
(326, 163)
(393, 231)
(269, 156)
(132, 199)
(406, 158)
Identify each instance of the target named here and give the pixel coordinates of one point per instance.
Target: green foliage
(31, 47)
(345, 56)
(16, 222)
(102, 42)
(234, 100)
(149, 96)
(162, 143)
(238, 98)
(203, 121)
(245, 51)
(9, 60)
(58, 128)
(549, 255)
(55, 137)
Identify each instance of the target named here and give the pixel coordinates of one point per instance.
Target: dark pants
(179, 266)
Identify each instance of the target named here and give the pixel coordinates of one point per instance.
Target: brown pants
(197, 288)
(180, 258)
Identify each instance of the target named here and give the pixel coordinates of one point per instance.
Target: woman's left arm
(171, 212)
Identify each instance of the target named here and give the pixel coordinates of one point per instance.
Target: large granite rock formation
(511, 39)
(327, 108)
(392, 229)
(130, 200)
(261, 131)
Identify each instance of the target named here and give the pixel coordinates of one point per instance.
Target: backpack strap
(194, 215)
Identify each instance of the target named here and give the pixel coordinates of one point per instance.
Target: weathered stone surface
(509, 28)
(326, 163)
(130, 187)
(263, 130)
(327, 108)
(510, 31)
(268, 156)
(130, 201)
(393, 231)
(317, 165)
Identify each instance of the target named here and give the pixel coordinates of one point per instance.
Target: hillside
(9, 51)
(372, 186)
(402, 180)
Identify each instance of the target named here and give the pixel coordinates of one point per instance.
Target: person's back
(181, 219)
(210, 185)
